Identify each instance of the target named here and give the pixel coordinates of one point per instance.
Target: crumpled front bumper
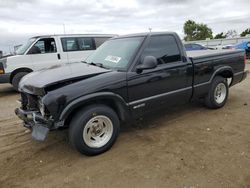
(36, 122)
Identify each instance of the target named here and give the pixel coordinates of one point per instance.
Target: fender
(120, 104)
(216, 72)
(221, 70)
(204, 87)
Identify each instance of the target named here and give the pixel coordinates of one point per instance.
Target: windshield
(23, 48)
(116, 53)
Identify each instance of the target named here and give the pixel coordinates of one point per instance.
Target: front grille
(29, 102)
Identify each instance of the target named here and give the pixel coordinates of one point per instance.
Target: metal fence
(220, 42)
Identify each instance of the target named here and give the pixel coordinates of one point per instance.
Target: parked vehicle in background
(46, 51)
(194, 46)
(229, 46)
(125, 78)
(244, 46)
(241, 46)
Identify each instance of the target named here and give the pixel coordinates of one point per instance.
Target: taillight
(1, 68)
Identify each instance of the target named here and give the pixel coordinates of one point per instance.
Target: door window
(164, 48)
(86, 43)
(188, 46)
(197, 47)
(42, 46)
(77, 44)
(69, 44)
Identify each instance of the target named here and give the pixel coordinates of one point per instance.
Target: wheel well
(19, 70)
(226, 74)
(108, 102)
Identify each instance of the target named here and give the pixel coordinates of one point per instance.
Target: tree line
(200, 31)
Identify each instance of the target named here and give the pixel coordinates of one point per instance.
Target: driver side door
(44, 54)
(169, 83)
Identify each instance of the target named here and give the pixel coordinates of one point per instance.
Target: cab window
(43, 46)
(164, 48)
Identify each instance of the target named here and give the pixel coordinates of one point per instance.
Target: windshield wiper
(95, 64)
(98, 65)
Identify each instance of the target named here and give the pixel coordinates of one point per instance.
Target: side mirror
(149, 62)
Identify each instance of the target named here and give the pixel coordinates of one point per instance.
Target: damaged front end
(35, 116)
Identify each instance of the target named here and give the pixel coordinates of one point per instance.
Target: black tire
(210, 100)
(16, 79)
(79, 122)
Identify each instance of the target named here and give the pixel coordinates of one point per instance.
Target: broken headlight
(41, 106)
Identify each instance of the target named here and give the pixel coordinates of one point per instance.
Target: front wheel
(218, 93)
(94, 129)
(17, 78)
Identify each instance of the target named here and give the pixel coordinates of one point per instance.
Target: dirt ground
(189, 146)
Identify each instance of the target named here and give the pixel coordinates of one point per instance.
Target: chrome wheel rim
(220, 93)
(98, 131)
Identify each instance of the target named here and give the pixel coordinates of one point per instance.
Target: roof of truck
(145, 34)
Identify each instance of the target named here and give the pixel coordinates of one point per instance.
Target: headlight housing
(41, 106)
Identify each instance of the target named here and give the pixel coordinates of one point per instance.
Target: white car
(46, 51)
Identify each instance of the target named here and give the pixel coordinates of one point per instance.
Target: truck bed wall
(206, 67)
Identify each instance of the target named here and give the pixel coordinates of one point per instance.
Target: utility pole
(64, 32)
(150, 29)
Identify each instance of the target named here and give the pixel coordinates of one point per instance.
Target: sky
(22, 19)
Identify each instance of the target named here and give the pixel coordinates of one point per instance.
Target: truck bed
(198, 54)
(207, 62)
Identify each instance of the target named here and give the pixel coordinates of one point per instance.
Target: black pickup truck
(123, 79)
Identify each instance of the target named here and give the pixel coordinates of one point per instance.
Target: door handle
(58, 56)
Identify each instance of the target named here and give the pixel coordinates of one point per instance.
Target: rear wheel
(94, 129)
(218, 93)
(16, 79)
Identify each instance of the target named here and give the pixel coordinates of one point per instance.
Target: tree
(190, 28)
(196, 31)
(246, 32)
(220, 36)
(231, 34)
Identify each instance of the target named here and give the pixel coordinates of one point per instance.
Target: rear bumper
(4, 78)
(244, 75)
(239, 77)
(34, 121)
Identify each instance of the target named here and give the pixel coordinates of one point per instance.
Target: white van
(45, 51)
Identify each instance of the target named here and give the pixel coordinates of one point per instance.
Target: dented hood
(36, 82)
